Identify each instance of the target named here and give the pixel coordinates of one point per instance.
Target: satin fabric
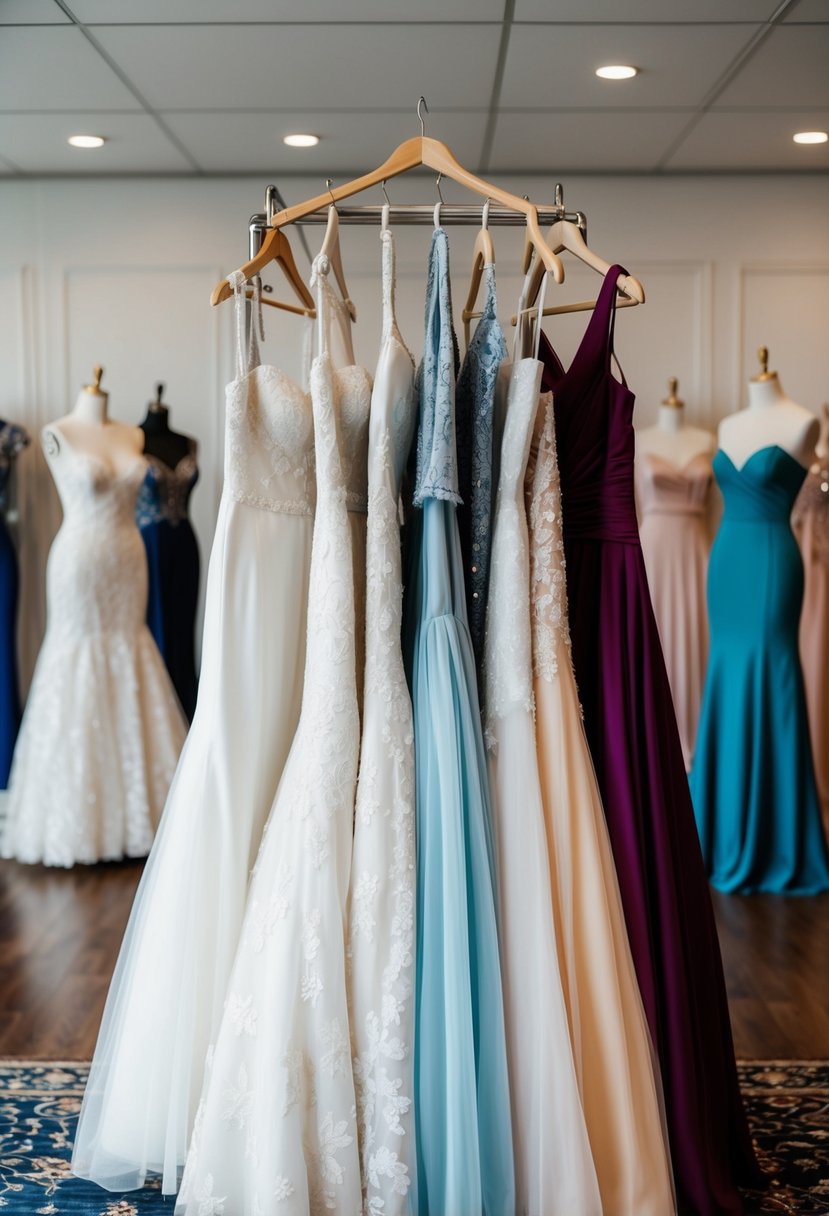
(634, 743)
(675, 545)
(753, 782)
(461, 1103)
(811, 522)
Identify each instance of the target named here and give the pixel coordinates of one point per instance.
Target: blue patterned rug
(787, 1101)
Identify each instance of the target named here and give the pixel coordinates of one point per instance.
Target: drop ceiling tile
(36, 143)
(207, 11)
(808, 10)
(606, 142)
(350, 143)
(752, 140)
(790, 68)
(554, 66)
(55, 68)
(296, 67)
(31, 12)
(646, 10)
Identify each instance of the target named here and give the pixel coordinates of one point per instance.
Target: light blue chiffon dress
(462, 1110)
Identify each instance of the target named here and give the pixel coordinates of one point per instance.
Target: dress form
(671, 437)
(89, 429)
(160, 440)
(771, 420)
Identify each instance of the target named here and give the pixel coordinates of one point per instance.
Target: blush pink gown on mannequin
(810, 520)
(675, 543)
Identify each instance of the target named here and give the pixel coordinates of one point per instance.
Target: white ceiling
(211, 86)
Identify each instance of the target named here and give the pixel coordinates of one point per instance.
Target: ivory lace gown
(276, 1130)
(166, 996)
(102, 730)
(381, 906)
(554, 1169)
(615, 1062)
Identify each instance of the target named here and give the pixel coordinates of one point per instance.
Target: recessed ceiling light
(301, 141)
(87, 141)
(617, 71)
(810, 137)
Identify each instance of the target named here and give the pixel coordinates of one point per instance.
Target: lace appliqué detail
(549, 587)
(437, 458)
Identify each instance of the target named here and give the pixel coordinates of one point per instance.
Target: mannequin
(771, 420)
(88, 429)
(672, 438)
(159, 440)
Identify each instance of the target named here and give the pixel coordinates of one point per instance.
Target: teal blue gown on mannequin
(462, 1110)
(753, 781)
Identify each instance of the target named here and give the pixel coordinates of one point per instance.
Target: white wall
(119, 273)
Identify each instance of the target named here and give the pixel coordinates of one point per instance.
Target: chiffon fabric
(276, 1128)
(634, 743)
(13, 439)
(811, 523)
(462, 1101)
(675, 544)
(173, 562)
(166, 996)
(615, 1063)
(102, 731)
(554, 1169)
(381, 899)
(753, 781)
(477, 457)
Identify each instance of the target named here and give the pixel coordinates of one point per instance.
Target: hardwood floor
(60, 932)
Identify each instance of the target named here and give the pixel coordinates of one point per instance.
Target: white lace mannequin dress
(615, 1061)
(166, 997)
(276, 1130)
(102, 730)
(554, 1170)
(381, 908)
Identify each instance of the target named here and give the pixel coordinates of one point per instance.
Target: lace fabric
(550, 629)
(381, 911)
(437, 456)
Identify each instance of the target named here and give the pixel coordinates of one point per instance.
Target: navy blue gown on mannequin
(12, 441)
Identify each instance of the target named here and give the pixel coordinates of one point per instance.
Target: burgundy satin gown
(634, 741)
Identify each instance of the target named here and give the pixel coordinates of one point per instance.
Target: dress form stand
(88, 429)
(159, 439)
(810, 520)
(771, 420)
(674, 477)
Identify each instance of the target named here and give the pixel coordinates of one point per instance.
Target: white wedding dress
(166, 997)
(103, 729)
(554, 1169)
(276, 1129)
(381, 907)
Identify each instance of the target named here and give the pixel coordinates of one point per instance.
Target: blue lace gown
(462, 1110)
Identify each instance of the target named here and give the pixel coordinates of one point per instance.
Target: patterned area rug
(788, 1104)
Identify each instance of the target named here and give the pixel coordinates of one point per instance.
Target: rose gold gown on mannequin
(811, 524)
(675, 542)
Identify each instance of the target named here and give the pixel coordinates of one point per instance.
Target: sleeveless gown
(381, 898)
(634, 742)
(554, 1168)
(276, 1128)
(13, 439)
(675, 544)
(462, 1104)
(811, 523)
(618, 1074)
(753, 780)
(165, 1000)
(173, 562)
(102, 729)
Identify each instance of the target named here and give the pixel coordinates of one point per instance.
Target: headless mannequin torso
(672, 439)
(88, 429)
(771, 420)
(168, 446)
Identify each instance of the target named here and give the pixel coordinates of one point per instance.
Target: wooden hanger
(413, 154)
(282, 254)
(564, 234)
(483, 254)
(298, 310)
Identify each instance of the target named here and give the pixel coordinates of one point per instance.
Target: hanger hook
(559, 198)
(385, 191)
(437, 213)
(485, 213)
(421, 106)
(328, 181)
(437, 186)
